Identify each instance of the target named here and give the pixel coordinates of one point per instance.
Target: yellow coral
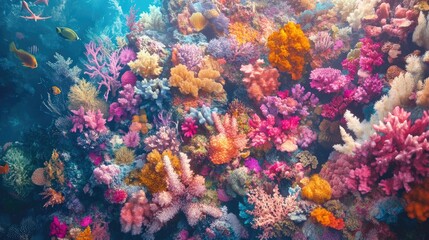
(187, 83)
(288, 48)
(198, 21)
(85, 235)
(146, 64)
(85, 94)
(124, 156)
(243, 33)
(153, 175)
(317, 190)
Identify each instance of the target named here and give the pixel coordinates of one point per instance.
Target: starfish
(35, 17)
(42, 1)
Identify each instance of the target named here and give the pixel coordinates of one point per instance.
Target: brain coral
(288, 48)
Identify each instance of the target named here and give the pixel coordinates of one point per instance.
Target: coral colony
(236, 120)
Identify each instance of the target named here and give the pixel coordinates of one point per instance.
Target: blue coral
(202, 114)
(156, 90)
(387, 210)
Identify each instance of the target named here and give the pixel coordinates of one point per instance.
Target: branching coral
(269, 210)
(124, 156)
(288, 48)
(228, 143)
(153, 175)
(187, 83)
(146, 65)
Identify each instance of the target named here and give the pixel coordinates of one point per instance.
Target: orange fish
(55, 90)
(4, 169)
(27, 59)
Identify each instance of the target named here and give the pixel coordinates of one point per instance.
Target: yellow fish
(55, 90)
(27, 59)
(67, 33)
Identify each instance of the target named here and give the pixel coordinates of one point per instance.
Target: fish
(55, 90)
(67, 33)
(27, 59)
(4, 169)
(46, 2)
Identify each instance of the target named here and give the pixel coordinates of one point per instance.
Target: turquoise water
(212, 119)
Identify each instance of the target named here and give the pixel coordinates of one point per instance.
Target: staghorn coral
(146, 65)
(187, 83)
(288, 47)
(84, 94)
(228, 143)
(124, 155)
(53, 196)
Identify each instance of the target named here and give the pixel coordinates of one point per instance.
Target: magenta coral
(127, 104)
(57, 228)
(398, 146)
(127, 55)
(328, 80)
(189, 127)
(369, 88)
(116, 195)
(90, 120)
(106, 173)
(128, 78)
(370, 56)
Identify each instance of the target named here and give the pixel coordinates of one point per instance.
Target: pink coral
(370, 56)
(264, 217)
(189, 128)
(260, 81)
(165, 138)
(127, 55)
(131, 139)
(182, 195)
(106, 173)
(90, 120)
(102, 65)
(328, 80)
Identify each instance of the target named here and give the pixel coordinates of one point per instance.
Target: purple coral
(165, 138)
(128, 104)
(189, 55)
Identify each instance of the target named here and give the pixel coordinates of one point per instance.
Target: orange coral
(229, 143)
(153, 175)
(54, 197)
(418, 201)
(187, 83)
(317, 190)
(140, 122)
(243, 33)
(54, 168)
(85, 235)
(288, 48)
(326, 218)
